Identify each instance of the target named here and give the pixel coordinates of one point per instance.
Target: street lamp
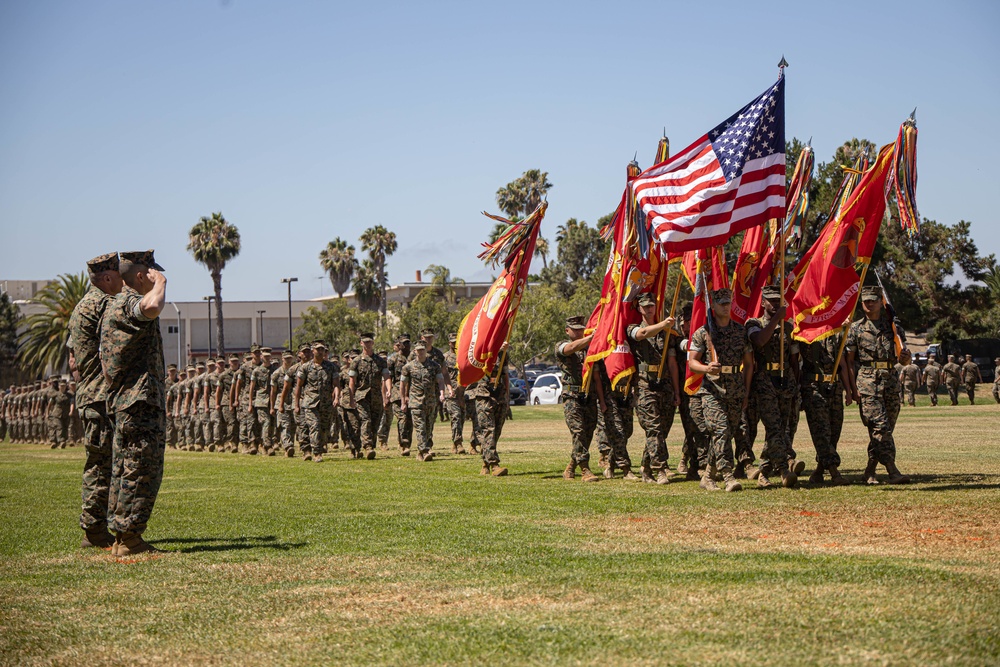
(209, 300)
(178, 334)
(260, 327)
(289, 281)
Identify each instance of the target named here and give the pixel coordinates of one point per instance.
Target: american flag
(727, 181)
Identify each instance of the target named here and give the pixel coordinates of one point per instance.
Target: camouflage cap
(200, 365)
(63, 382)
(427, 332)
(304, 347)
(355, 352)
(210, 361)
(233, 356)
(452, 337)
(265, 350)
(319, 345)
(254, 348)
(403, 338)
(143, 257)
(190, 369)
(171, 367)
(287, 354)
(575, 322)
(870, 293)
(420, 345)
(101, 263)
(53, 378)
(367, 336)
(723, 295)
(771, 292)
(646, 299)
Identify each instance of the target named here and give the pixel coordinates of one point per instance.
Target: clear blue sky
(121, 123)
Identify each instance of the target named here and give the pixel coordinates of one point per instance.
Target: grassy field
(276, 561)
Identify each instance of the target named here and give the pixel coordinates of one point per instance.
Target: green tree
(442, 283)
(519, 198)
(581, 256)
(338, 260)
(379, 243)
(541, 320)
(428, 311)
(44, 342)
(338, 324)
(10, 318)
(366, 286)
(214, 242)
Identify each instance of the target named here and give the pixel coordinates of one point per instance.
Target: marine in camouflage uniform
(304, 356)
(404, 419)
(171, 395)
(282, 405)
(180, 420)
(911, 377)
(952, 373)
(454, 398)
(421, 385)
(58, 411)
(932, 378)
(871, 344)
(489, 396)
(579, 408)
(196, 403)
(996, 380)
(724, 356)
(774, 389)
(92, 396)
(260, 390)
(367, 384)
(971, 376)
(316, 394)
(694, 450)
(132, 358)
(616, 422)
(823, 400)
(657, 396)
(209, 387)
(350, 424)
(384, 424)
(244, 401)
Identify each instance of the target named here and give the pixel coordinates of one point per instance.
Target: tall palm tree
(214, 242)
(519, 198)
(338, 260)
(992, 280)
(379, 242)
(443, 283)
(44, 341)
(366, 287)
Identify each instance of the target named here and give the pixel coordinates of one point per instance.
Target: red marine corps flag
(706, 271)
(828, 288)
(484, 330)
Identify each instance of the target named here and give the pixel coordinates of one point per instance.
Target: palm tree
(44, 341)
(443, 283)
(214, 242)
(338, 260)
(542, 250)
(992, 280)
(379, 242)
(366, 287)
(519, 198)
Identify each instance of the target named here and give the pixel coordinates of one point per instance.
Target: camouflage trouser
(932, 392)
(136, 466)
(404, 424)
(952, 391)
(996, 392)
(656, 415)
(490, 417)
(773, 406)
(455, 407)
(263, 431)
(98, 436)
(824, 405)
(3, 429)
(56, 428)
(617, 423)
(171, 431)
(229, 428)
(384, 424)
(423, 417)
(722, 414)
(879, 411)
(350, 429)
(76, 427)
(246, 424)
(334, 426)
(317, 422)
(580, 411)
(370, 413)
(696, 440)
(793, 417)
(286, 429)
(909, 390)
(213, 430)
(474, 440)
(970, 391)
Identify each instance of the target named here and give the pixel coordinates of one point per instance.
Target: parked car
(518, 392)
(547, 389)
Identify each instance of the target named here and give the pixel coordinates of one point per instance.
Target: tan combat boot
(896, 477)
(870, 478)
(429, 456)
(752, 471)
(498, 471)
(817, 476)
(682, 467)
(485, 470)
(762, 481)
(307, 457)
(714, 472)
(461, 449)
(630, 476)
(97, 537)
(371, 454)
(836, 478)
(647, 475)
(454, 448)
(797, 466)
(732, 485)
(570, 471)
(663, 477)
(290, 453)
(707, 482)
(405, 451)
(130, 544)
(588, 476)
(317, 458)
(789, 479)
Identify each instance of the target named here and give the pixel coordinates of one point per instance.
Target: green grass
(275, 561)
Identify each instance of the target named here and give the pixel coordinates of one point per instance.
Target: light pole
(209, 300)
(289, 281)
(260, 327)
(178, 333)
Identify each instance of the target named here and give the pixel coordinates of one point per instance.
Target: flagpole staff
(782, 64)
(502, 360)
(673, 311)
(843, 338)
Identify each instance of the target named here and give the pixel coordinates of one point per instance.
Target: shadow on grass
(212, 544)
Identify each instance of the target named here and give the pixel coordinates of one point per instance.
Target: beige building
(405, 293)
